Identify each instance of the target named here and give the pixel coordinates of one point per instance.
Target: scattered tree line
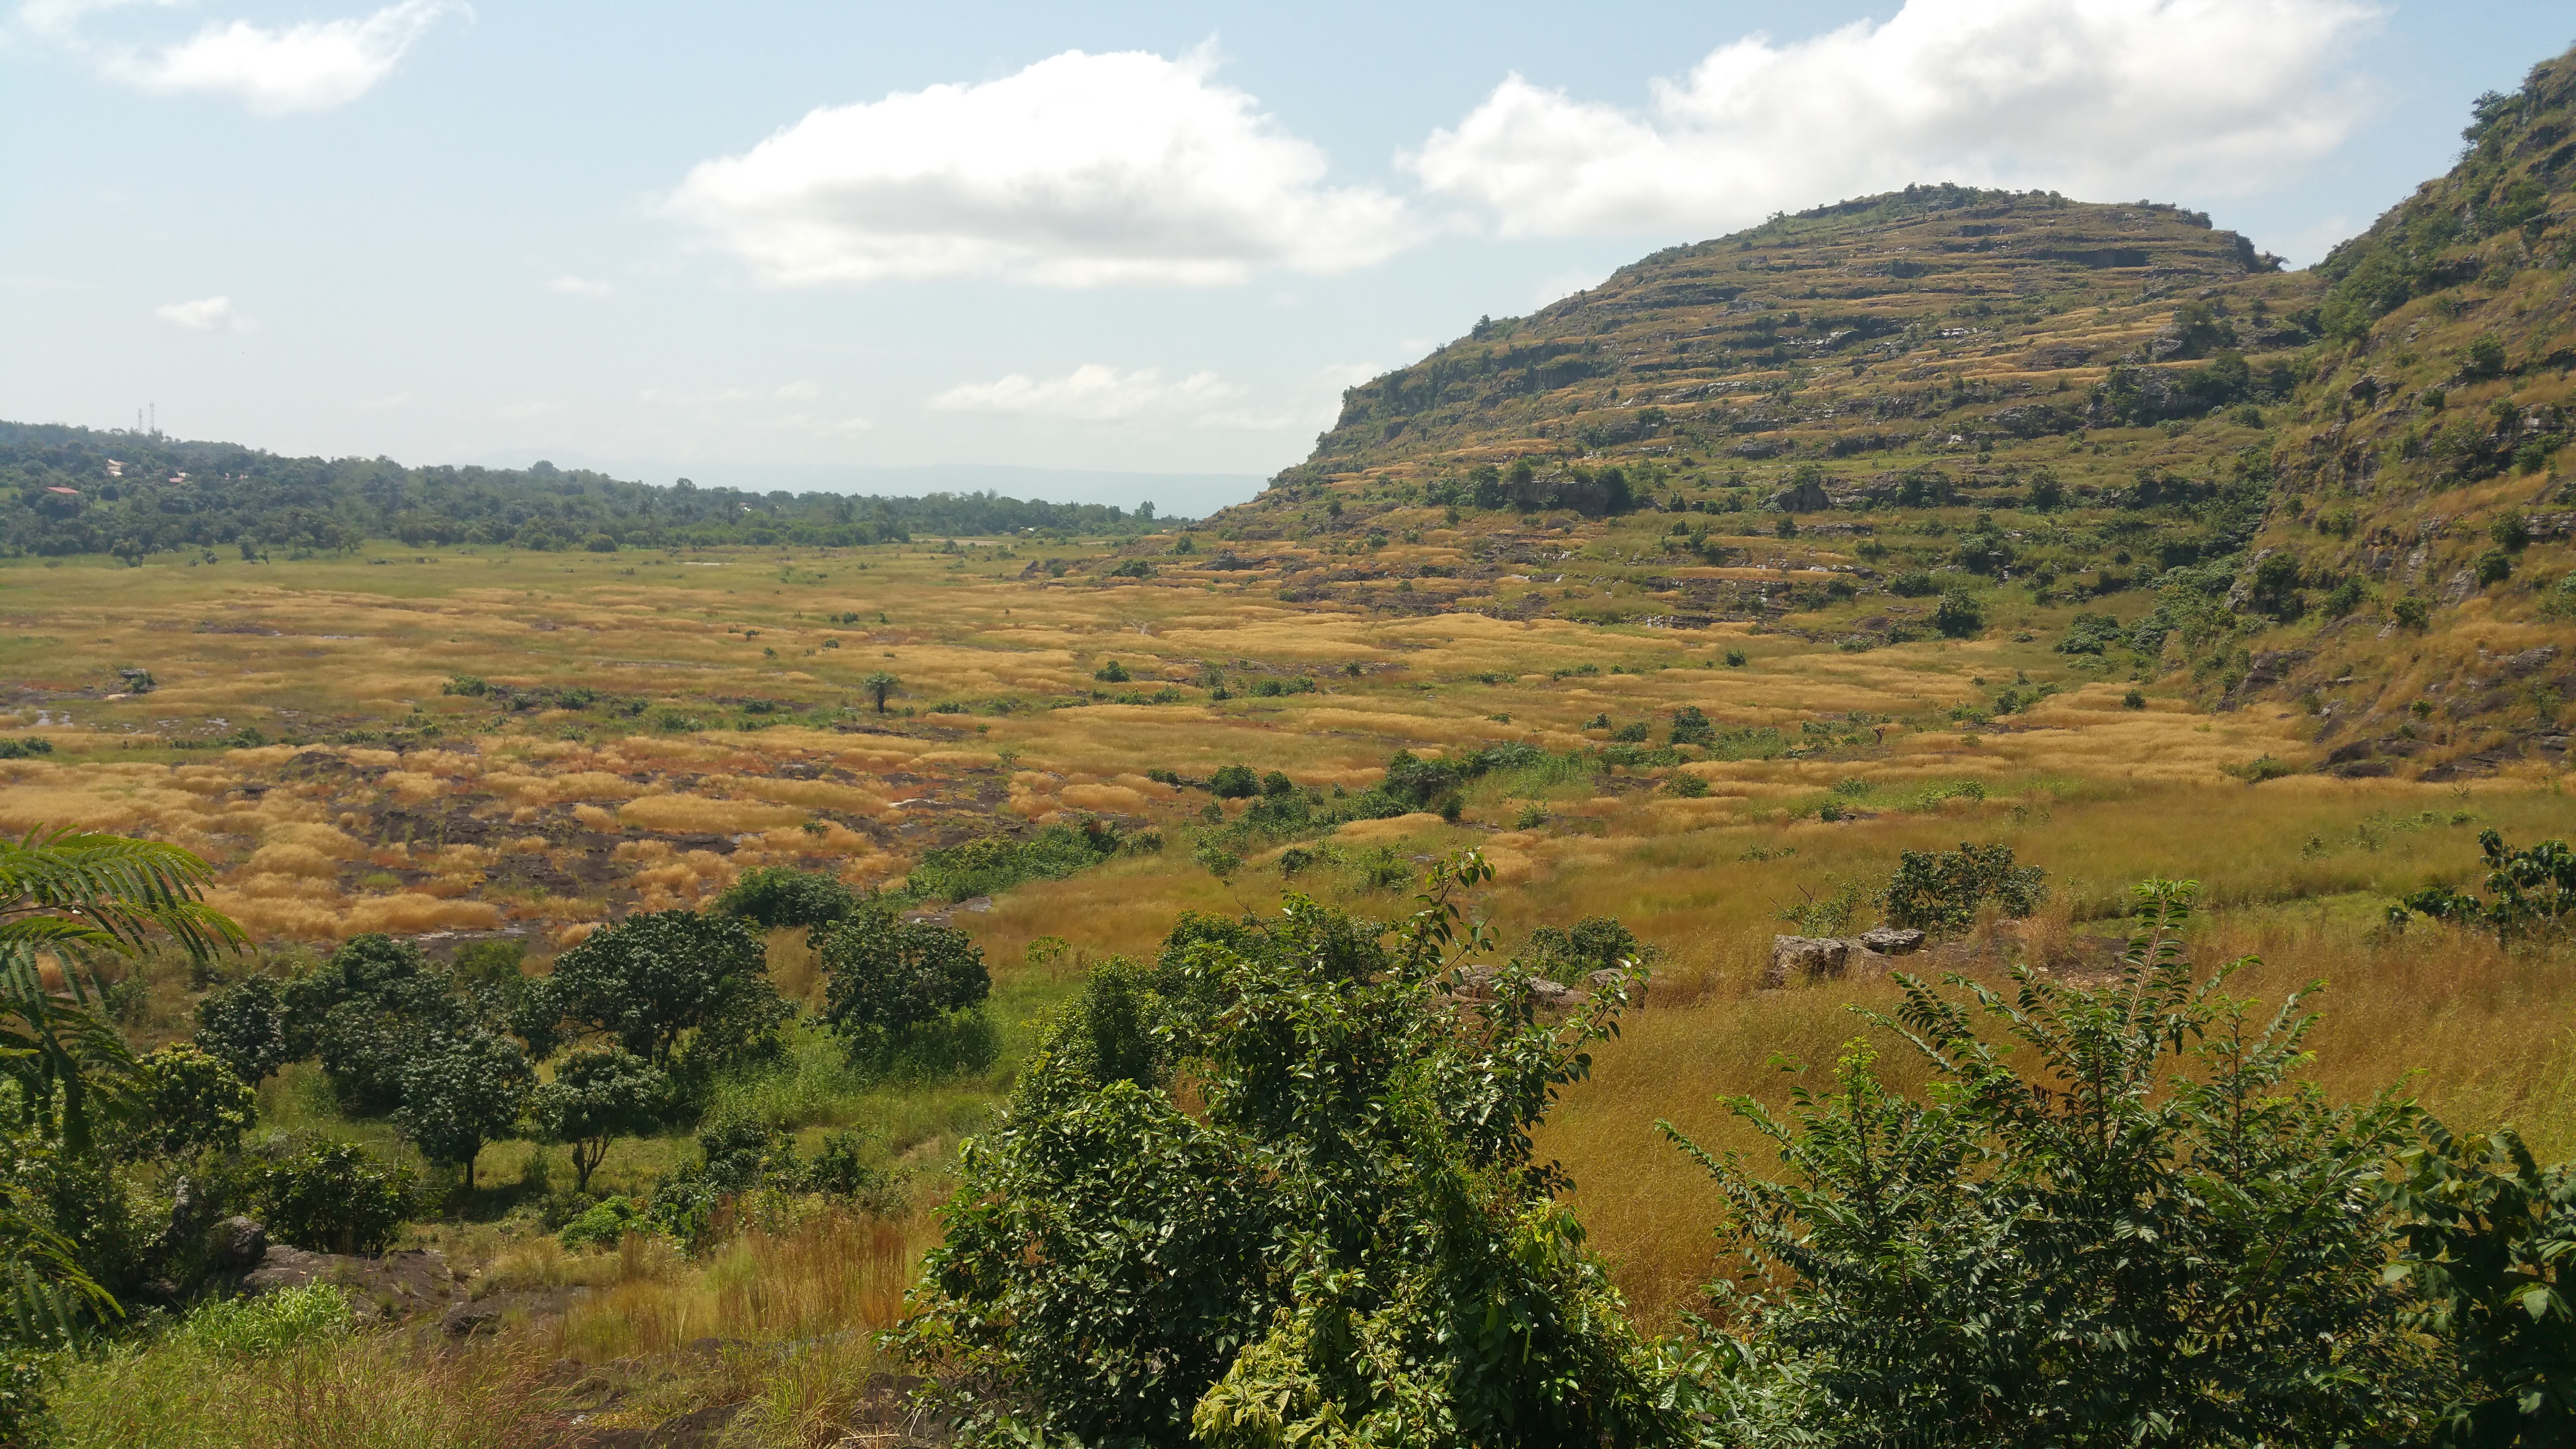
(67, 490)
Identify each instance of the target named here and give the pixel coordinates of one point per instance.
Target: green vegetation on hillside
(67, 490)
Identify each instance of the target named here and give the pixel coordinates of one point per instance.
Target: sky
(781, 245)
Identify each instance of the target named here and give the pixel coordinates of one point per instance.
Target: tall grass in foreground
(379, 1391)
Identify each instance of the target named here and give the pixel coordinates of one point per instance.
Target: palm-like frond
(71, 895)
(75, 890)
(46, 1299)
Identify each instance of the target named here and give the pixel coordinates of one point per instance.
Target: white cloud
(799, 391)
(1081, 170)
(580, 287)
(521, 411)
(206, 314)
(1091, 393)
(314, 66)
(62, 17)
(2099, 98)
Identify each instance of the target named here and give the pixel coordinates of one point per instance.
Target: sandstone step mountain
(1944, 410)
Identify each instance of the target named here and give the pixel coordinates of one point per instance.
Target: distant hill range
(66, 490)
(2342, 486)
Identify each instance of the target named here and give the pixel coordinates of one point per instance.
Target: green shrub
(777, 897)
(995, 863)
(1682, 785)
(1735, 658)
(2412, 613)
(334, 1198)
(2116, 1216)
(2091, 634)
(889, 981)
(1690, 727)
(1234, 782)
(605, 1224)
(1959, 615)
(269, 1324)
(1941, 890)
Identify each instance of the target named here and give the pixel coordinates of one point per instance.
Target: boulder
(1892, 941)
(1805, 957)
(235, 1245)
(397, 1285)
(466, 1319)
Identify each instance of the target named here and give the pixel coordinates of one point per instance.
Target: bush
(244, 1027)
(1914, 584)
(187, 1101)
(605, 1224)
(1234, 782)
(887, 977)
(777, 897)
(1682, 785)
(598, 1094)
(1941, 891)
(269, 1324)
(2134, 699)
(2412, 613)
(1340, 1225)
(1690, 727)
(1112, 673)
(1959, 615)
(374, 1004)
(2091, 634)
(2530, 892)
(2026, 1252)
(1735, 658)
(334, 1198)
(995, 863)
(1595, 943)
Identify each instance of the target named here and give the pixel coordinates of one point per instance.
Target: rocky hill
(1944, 409)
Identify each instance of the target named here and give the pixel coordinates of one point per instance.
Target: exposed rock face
(1816, 958)
(235, 1245)
(396, 1285)
(1808, 958)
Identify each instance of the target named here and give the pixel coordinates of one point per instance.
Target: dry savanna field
(460, 744)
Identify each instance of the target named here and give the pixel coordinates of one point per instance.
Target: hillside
(67, 491)
(2104, 420)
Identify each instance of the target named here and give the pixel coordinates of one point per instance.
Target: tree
(886, 976)
(374, 1004)
(75, 896)
(460, 1093)
(653, 978)
(244, 1026)
(188, 1101)
(2071, 1239)
(776, 897)
(598, 1094)
(1338, 1236)
(880, 684)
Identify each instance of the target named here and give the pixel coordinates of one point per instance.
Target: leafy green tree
(599, 1094)
(461, 1092)
(655, 978)
(886, 976)
(244, 1026)
(2118, 1218)
(2490, 1244)
(776, 897)
(188, 1101)
(374, 1005)
(879, 685)
(1342, 1239)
